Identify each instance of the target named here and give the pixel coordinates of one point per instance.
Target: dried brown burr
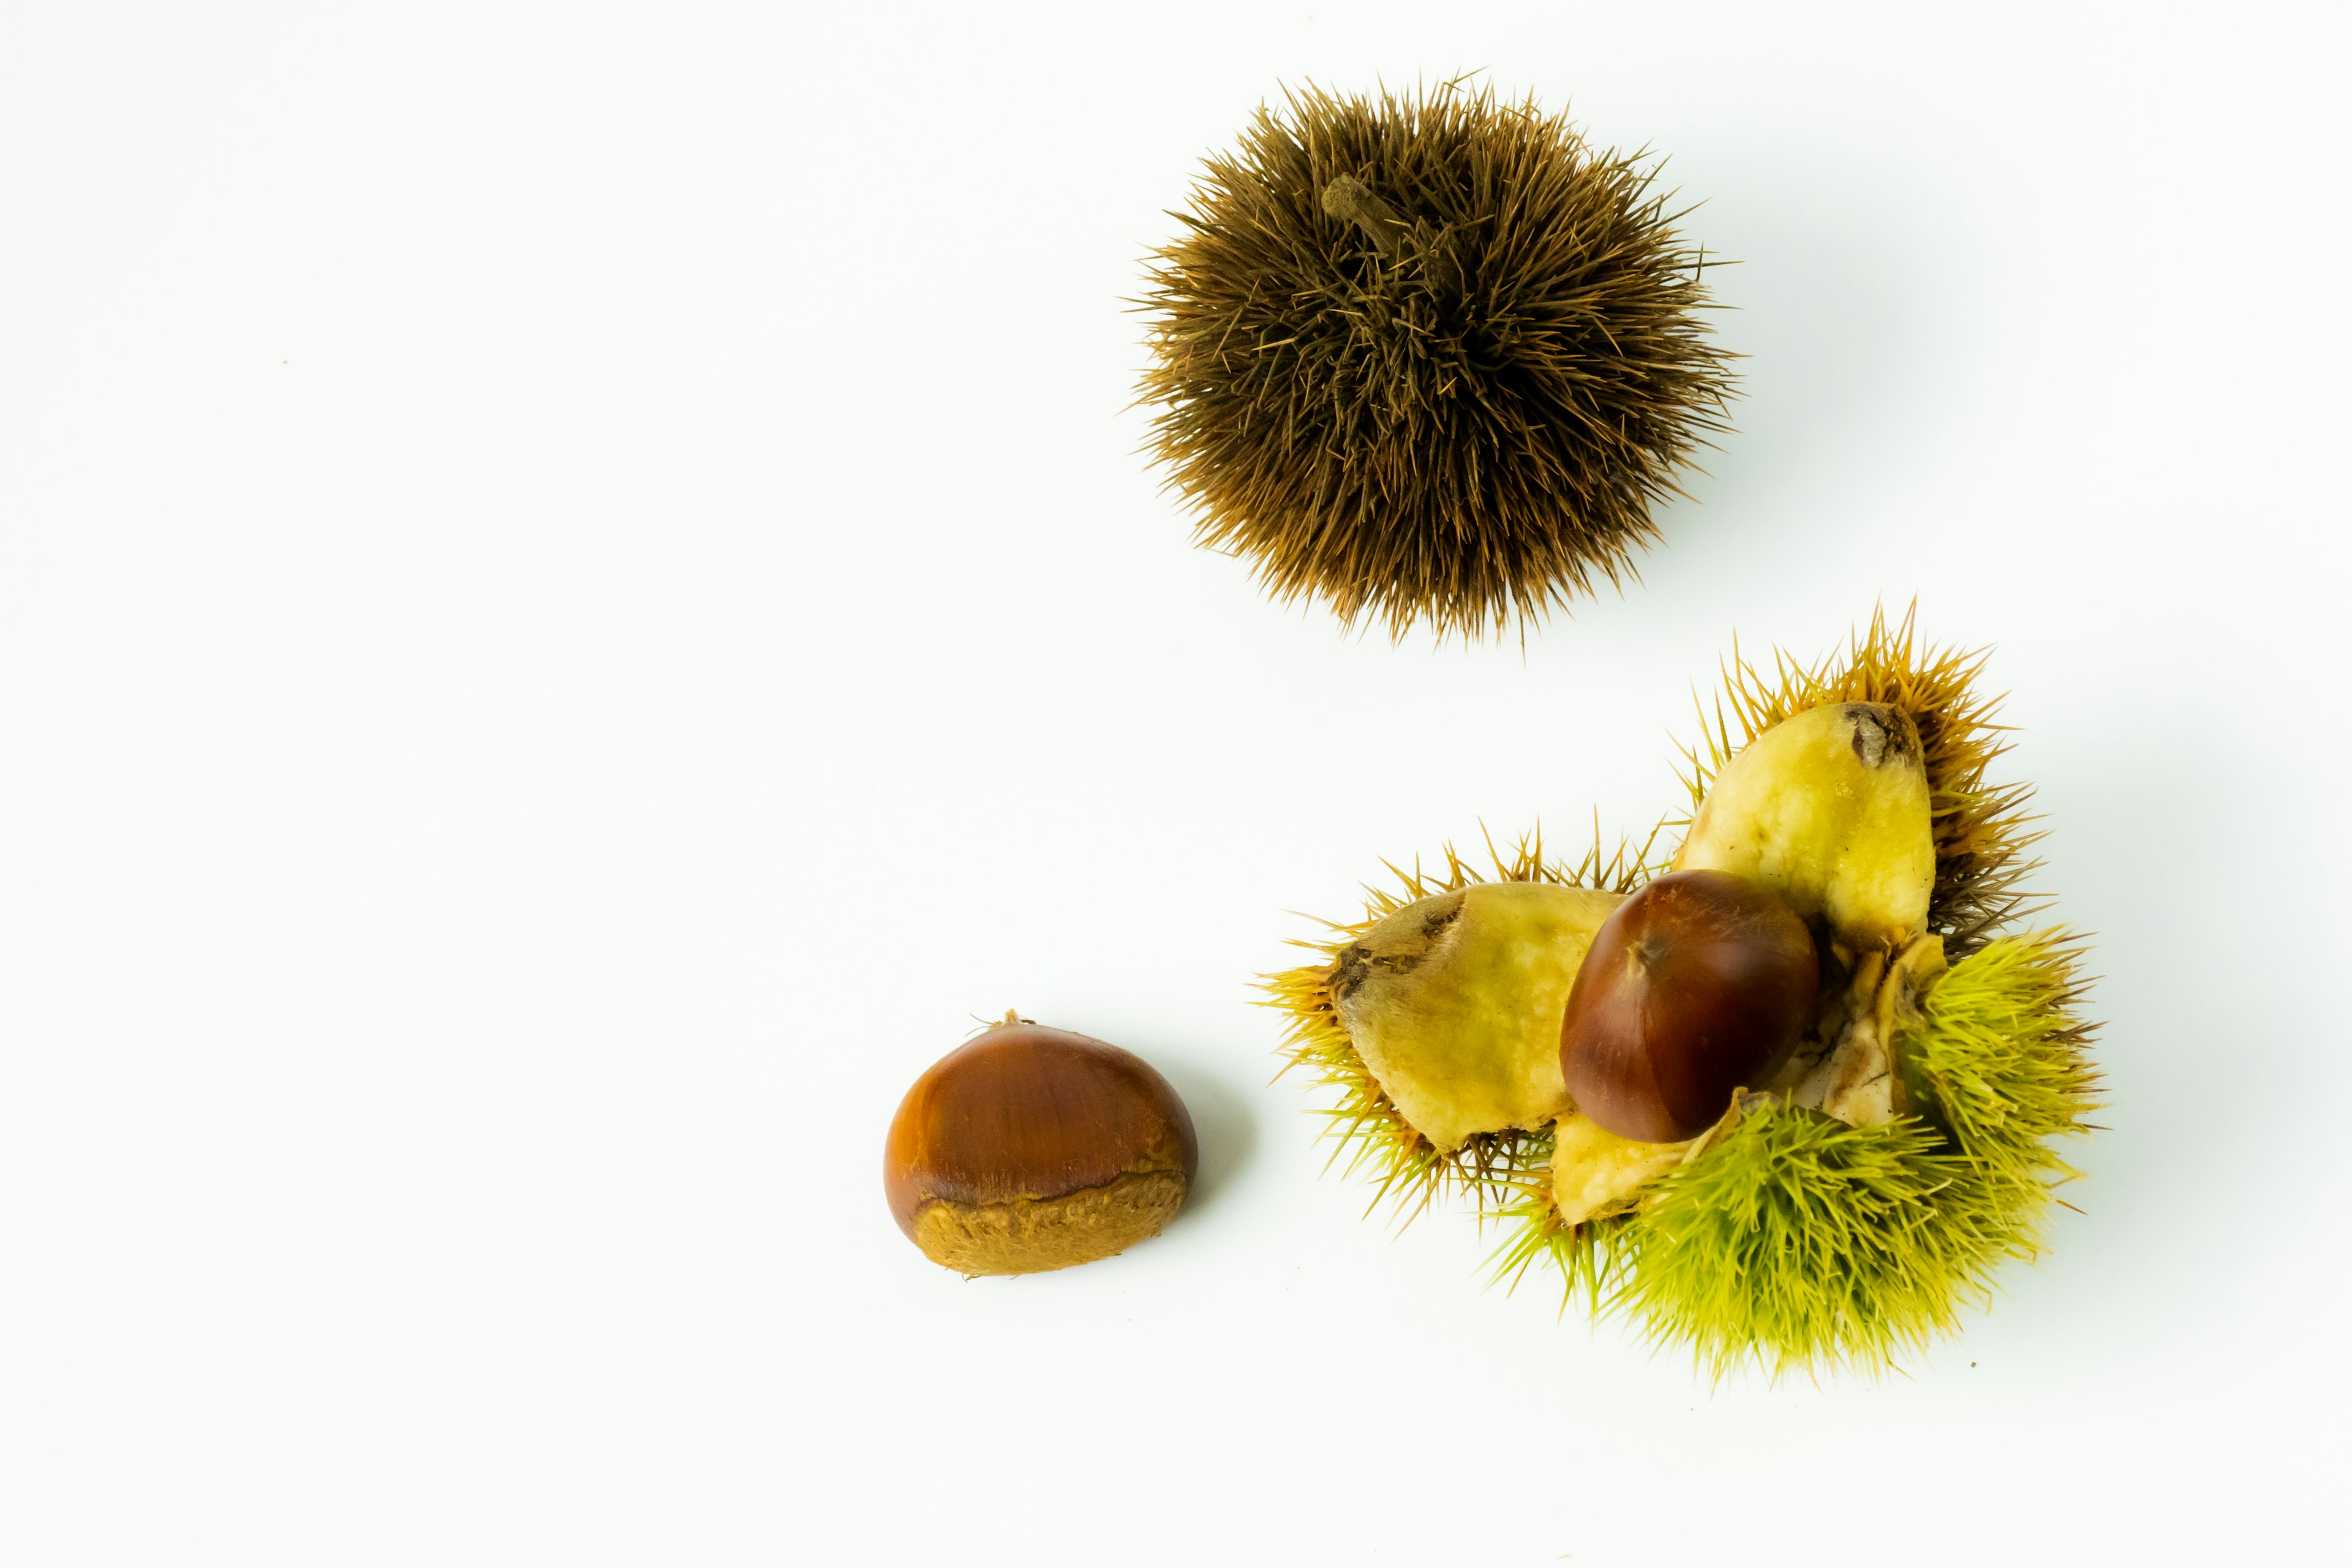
(1428, 357)
(1032, 1149)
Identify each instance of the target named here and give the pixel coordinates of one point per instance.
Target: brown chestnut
(1031, 1148)
(1697, 985)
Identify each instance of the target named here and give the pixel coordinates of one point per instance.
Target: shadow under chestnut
(1226, 1125)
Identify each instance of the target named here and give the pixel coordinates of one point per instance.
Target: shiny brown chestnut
(1031, 1148)
(1698, 985)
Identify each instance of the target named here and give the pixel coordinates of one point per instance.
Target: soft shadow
(1846, 288)
(1225, 1124)
(2212, 955)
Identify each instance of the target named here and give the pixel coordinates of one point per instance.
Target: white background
(577, 602)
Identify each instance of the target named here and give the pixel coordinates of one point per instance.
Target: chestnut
(1697, 985)
(1031, 1148)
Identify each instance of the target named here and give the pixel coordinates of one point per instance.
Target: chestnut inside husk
(1696, 986)
(1896, 1146)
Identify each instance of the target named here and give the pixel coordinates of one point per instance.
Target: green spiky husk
(1798, 1242)
(1364, 1125)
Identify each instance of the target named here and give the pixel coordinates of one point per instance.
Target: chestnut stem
(1349, 197)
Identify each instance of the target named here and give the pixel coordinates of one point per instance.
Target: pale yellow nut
(1595, 1173)
(1830, 809)
(1454, 1003)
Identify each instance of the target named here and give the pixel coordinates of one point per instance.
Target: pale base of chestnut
(1036, 1236)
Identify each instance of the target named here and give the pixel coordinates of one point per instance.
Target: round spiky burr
(1849, 1209)
(1428, 357)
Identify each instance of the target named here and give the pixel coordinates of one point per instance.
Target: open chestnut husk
(1696, 986)
(1032, 1149)
(1866, 1190)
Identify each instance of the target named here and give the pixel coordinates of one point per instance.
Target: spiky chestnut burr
(1429, 357)
(1032, 1149)
(1853, 1205)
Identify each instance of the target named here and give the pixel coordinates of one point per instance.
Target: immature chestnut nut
(1830, 809)
(1032, 1149)
(1454, 1003)
(1697, 985)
